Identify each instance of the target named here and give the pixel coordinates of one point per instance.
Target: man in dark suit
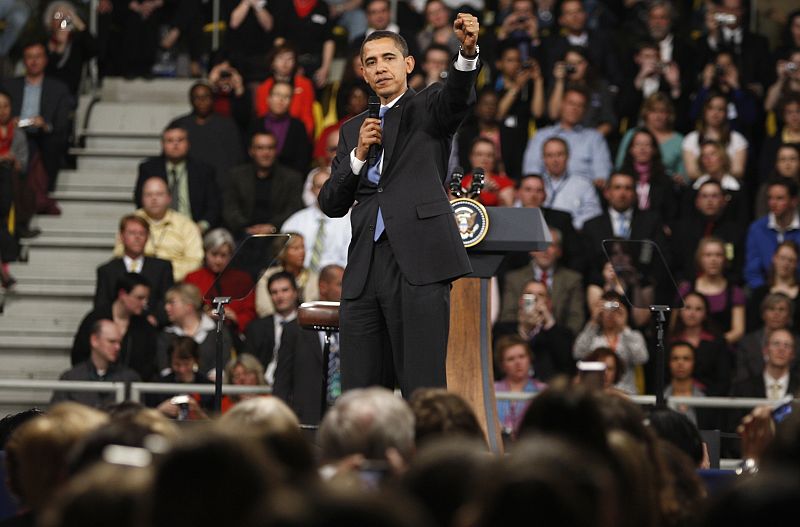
(621, 220)
(192, 183)
(44, 107)
(133, 232)
(300, 376)
(405, 248)
(259, 196)
(264, 336)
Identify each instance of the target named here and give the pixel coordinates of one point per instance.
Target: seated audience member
(564, 190)
(714, 165)
(192, 183)
(265, 335)
(441, 415)
(379, 18)
(775, 380)
(575, 70)
(711, 357)
(788, 134)
(565, 286)
(615, 368)
(589, 157)
(326, 239)
(726, 301)
(290, 260)
(681, 370)
(787, 85)
(372, 423)
(499, 188)
(324, 152)
(138, 342)
(213, 138)
(531, 193)
(713, 125)
(231, 97)
(260, 195)
(37, 456)
(513, 359)
(307, 385)
(483, 122)
(104, 344)
(184, 368)
(243, 370)
(283, 67)
(781, 278)
(293, 145)
(439, 30)
(70, 44)
(47, 105)
(658, 117)
(187, 319)
(134, 232)
(654, 188)
(219, 248)
(782, 223)
(550, 341)
(786, 164)
(776, 313)
(435, 62)
(621, 220)
(173, 236)
(608, 327)
(709, 216)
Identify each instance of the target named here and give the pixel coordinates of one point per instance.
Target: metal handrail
(139, 388)
(696, 402)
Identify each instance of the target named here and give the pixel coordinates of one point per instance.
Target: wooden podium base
(470, 370)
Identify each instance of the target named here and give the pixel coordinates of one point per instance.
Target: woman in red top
(498, 189)
(219, 247)
(283, 67)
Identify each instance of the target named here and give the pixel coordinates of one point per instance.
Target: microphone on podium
(478, 178)
(373, 111)
(455, 182)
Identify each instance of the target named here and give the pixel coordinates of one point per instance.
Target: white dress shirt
(337, 234)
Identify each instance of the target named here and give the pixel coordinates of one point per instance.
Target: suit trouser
(394, 330)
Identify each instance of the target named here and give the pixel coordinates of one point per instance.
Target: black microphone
(477, 183)
(373, 111)
(455, 182)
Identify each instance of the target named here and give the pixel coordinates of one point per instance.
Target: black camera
(570, 69)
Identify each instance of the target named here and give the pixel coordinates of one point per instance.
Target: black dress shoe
(29, 233)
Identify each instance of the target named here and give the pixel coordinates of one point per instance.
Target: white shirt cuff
(355, 164)
(465, 64)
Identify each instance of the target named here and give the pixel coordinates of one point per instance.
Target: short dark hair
(128, 218)
(326, 273)
(128, 281)
(558, 140)
(262, 132)
(620, 173)
(789, 184)
(199, 84)
(183, 348)
(681, 344)
(710, 181)
(282, 275)
(575, 88)
(173, 126)
(528, 176)
(398, 40)
(437, 47)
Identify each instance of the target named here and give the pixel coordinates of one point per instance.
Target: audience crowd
(667, 121)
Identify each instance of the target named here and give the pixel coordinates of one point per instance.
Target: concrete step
(105, 162)
(48, 239)
(54, 258)
(142, 118)
(23, 306)
(57, 290)
(88, 193)
(76, 210)
(98, 179)
(54, 224)
(120, 142)
(175, 91)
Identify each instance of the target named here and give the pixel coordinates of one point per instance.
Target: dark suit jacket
(299, 378)
(239, 195)
(572, 247)
(203, 190)
(260, 339)
(419, 220)
(157, 271)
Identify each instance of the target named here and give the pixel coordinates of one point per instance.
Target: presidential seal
(472, 220)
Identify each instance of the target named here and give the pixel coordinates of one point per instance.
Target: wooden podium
(470, 370)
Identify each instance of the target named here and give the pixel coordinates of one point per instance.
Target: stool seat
(319, 316)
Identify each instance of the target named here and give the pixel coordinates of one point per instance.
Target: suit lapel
(391, 128)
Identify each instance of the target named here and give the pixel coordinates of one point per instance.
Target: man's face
(106, 345)
(319, 180)
(35, 60)
(283, 296)
(379, 15)
(263, 151)
(175, 144)
(135, 302)
(331, 145)
(155, 197)
(531, 192)
(436, 62)
(202, 101)
(486, 107)
(280, 98)
(549, 257)
(780, 349)
(554, 155)
(331, 290)
(510, 63)
(385, 69)
(573, 108)
(681, 363)
(710, 200)
(779, 201)
(658, 23)
(573, 17)
(134, 238)
(620, 192)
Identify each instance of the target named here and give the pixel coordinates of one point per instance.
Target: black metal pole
(659, 312)
(219, 311)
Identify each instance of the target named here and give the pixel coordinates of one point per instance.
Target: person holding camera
(787, 83)
(608, 327)
(231, 96)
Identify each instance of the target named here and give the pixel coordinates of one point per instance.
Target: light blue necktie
(374, 175)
